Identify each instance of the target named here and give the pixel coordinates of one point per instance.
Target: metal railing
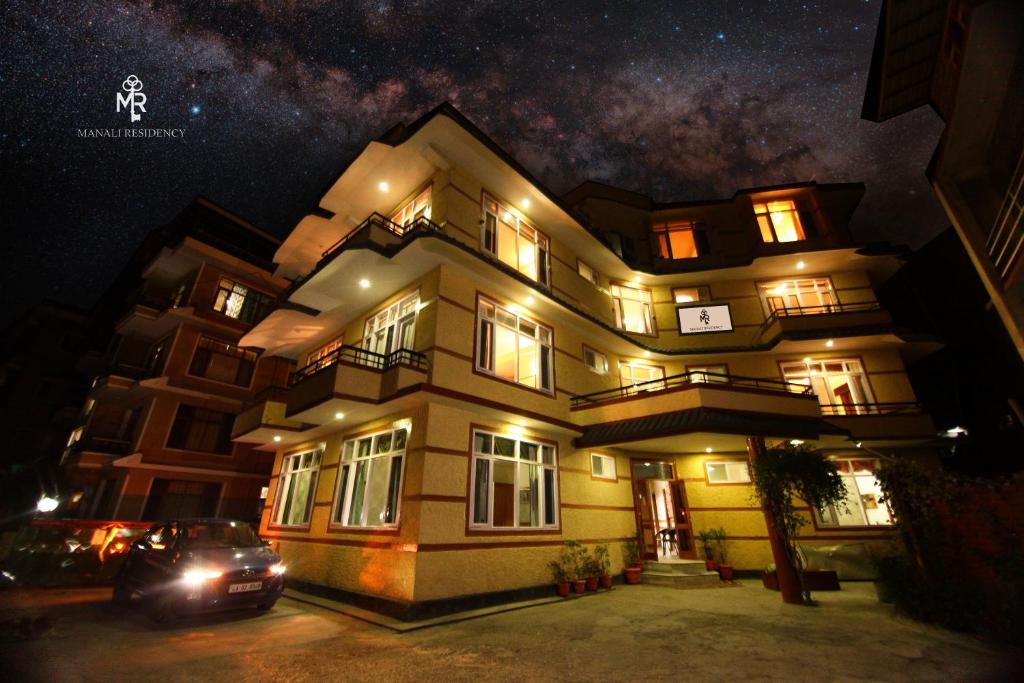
(103, 444)
(825, 309)
(694, 378)
(358, 356)
(376, 220)
(854, 409)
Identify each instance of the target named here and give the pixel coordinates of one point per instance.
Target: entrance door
(683, 524)
(652, 503)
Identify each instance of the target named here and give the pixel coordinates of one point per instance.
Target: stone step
(674, 580)
(688, 567)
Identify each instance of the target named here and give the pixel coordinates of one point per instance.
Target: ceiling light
(636, 279)
(830, 343)
(529, 301)
(647, 354)
(800, 265)
(526, 203)
(683, 298)
(858, 444)
(807, 359)
(339, 416)
(708, 449)
(521, 423)
(795, 442)
(382, 186)
(364, 283)
(647, 464)
(277, 437)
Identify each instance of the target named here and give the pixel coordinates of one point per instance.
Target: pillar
(789, 582)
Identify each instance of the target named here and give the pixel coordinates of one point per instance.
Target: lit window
(779, 221)
(413, 209)
(514, 348)
(515, 483)
(602, 466)
(708, 373)
(514, 241)
(864, 505)
(686, 295)
(370, 479)
(325, 355)
(595, 360)
(586, 272)
(636, 377)
(240, 302)
(808, 296)
(841, 385)
(728, 472)
(677, 240)
(299, 473)
(634, 309)
(393, 328)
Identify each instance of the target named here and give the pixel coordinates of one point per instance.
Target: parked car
(200, 565)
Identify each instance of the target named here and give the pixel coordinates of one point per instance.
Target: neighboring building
(154, 436)
(965, 58)
(41, 392)
(483, 374)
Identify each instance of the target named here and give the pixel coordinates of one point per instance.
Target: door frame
(645, 552)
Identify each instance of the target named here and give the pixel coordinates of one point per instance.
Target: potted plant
(592, 570)
(631, 553)
(603, 562)
(707, 538)
(724, 568)
(561, 575)
(576, 556)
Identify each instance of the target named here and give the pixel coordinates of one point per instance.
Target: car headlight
(196, 577)
(278, 568)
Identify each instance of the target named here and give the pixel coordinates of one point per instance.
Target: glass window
(728, 472)
(863, 505)
(798, 297)
(636, 377)
(238, 301)
(299, 473)
(370, 479)
(586, 272)
(324, 356)
(222, 362)
(419, 207)
(677, 240)
(778, 221)
(595, 360)
(840, 384)
(393, 328)
(708, 373)
(634, 309)
(507, 235)
(686, 295)
(515, 483)
(514, 348)
(602, 466)
(201, 429)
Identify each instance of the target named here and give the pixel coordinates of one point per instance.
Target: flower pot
(633, 575)
(710, 565)
(580, 586)
(606, 581)
(592, 583)
(725, 572)
(563, 589)
(639, 564)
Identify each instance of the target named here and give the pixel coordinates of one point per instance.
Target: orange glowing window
(677, 240)
(779, 221)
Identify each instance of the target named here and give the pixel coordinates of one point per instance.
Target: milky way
(680, 100)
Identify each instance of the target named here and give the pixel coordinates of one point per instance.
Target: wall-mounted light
(708, 449)
(383, 186)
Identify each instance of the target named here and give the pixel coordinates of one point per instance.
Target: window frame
(488, 527)
(284, 477)
(630, 388)
(663, 230)
(725, 462)
(392, 323)
(707, 367)
(174, 420)
(703, 294)
(261, 300)
(597, 355)
(478, 344)
(818, 517)
(211, 352)
(765, 294)
(407, 220)
(594, 278)
(603, 476)
(647, 309)
(492, 207)
(348, 473)
(770, 223)
(869, 397)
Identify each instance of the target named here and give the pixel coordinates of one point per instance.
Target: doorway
(662, 512)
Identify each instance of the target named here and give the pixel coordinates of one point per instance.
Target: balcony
(379, 231)
(881, 422)
(95, 450)
(814, 321)
(265, 416)
(145, 317)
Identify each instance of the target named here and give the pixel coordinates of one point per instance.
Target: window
(413, 209)
(841, 385)
(323, 356)
(595, 360)
(680, 240)
(863, 505)
(240, 302)
(299, 473)
(200, 429)
(708, 373)
(222, 362)
(798, 297)
(508, 236)
(602, 466)
(154, 362)
(587, 273)
(728, 472)
(778, 221)
(514, 483)
(393, 328)
(686, 295)
(634, 309)
(176, 499)
(633, 374)
(370, 479)
(514, 348)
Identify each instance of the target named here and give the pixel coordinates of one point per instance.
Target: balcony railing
(381, 222)
(826, 309)
(358, 356)
(103, 444)
(694, 378)
(853, 409)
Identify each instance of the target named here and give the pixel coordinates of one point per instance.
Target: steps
(679, 574)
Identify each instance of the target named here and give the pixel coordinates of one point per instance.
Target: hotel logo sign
(132, 99)
(704, 319)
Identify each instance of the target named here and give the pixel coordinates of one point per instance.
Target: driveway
(634, 632)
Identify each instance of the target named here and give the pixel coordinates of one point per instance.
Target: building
(965, 58)
(483, 370)
(153, 439)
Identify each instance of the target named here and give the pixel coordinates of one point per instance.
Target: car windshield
(220, 535)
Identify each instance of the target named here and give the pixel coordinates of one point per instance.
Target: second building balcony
(833, 319)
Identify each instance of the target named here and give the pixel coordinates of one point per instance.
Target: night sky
(680, 100)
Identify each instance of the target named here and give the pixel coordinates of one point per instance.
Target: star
(195, 109)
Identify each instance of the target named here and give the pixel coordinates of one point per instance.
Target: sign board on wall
(704, 319)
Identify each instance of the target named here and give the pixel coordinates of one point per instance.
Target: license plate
(245, 587)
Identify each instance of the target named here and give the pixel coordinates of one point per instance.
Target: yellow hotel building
(482, 370)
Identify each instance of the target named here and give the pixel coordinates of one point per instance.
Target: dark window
(200, 429)
(222, 362)
(174, 499)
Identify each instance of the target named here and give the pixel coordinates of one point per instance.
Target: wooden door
(644, 509)
(683, 522)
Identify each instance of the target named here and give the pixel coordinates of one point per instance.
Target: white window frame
(383, 330)
(607, 467)
(500, 316)
(352, 458)
(494, 214)
(809, 292)
(736, 472)
(703, 294)
(851, 480)
(480, 455)
(812, 373)
(586, 271)
(417, 207)
(628, 381)
(640, 295)
(599, 362)
(293, 464)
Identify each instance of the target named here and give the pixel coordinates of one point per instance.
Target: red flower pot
(606, 582)
(580, 586)
(725, 572)
(633, 575)
(563, 589)
(710, 565)
(592, 583)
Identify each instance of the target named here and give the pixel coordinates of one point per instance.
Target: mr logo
(132, 98)
(705, 317)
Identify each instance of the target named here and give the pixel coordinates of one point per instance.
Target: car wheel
(266, 606)
(122, 594)
(160, 609)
